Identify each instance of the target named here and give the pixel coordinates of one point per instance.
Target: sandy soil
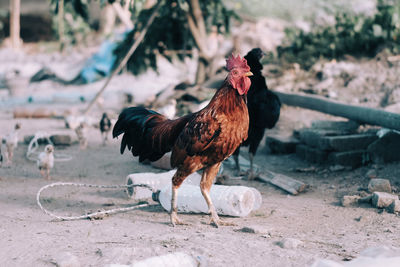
(28, 237)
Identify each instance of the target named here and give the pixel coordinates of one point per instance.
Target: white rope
(94, 214)
(32, 155)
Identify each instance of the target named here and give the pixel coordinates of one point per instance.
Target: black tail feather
(147, 134)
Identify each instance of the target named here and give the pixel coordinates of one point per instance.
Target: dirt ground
(28, 237)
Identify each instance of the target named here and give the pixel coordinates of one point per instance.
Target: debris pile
(380, 195)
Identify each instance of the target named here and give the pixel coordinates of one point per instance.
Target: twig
(127, 56)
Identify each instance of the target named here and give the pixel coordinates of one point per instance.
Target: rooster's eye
(235, 72)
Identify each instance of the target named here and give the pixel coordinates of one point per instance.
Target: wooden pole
(61, 24)
(127, 56)
(15, 6)
(362, 115)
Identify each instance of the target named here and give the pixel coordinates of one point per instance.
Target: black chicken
(264, 108)
(105, 127)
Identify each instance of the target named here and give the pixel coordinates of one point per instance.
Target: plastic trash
(156, 181)
(236, 201)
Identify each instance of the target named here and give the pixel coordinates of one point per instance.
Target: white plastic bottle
(156, 181)
(236, 201)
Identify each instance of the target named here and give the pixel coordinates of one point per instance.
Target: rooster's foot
(251, 175)
(176, 221)
(216, 221)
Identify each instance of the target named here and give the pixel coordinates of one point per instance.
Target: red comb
(237, 62)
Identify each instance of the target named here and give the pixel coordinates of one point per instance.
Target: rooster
(45, 161)
(11, 141)
(264, 109)
(105, 127)
(200, 140)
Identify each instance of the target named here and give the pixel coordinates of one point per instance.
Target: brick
(311, 154)
(379, 185)
(385, 149)
(344, 126)
(349, 158)
(282, 145)
(315, 137)
(383, 199)
(346, 142)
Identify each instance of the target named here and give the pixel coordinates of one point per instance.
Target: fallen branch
(284, 182)
(362, 115)
(128, 55)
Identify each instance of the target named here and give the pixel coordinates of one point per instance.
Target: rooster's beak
(248, 74)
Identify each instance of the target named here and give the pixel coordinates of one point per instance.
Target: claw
(218, 222)
(251, 175)
(175, 220)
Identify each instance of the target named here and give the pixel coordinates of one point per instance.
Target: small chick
(12, 142)
(45, 161)
(105, 127)
(81, 132)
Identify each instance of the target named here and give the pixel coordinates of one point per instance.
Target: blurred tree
(180, 26)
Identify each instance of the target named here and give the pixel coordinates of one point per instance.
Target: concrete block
(311, 154)
(385, 149)
(344, 126)
(379, 185)
(28, 139)
(350, 158)
(61, 140)
(346, 142)
(394, 207)
(282, 145)
(383, 199)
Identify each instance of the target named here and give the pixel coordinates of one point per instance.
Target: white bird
(45, 161)
(81, 132)
(11, 142)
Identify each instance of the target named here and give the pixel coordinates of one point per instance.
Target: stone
(289, 243)
(383, 199)
(354, 158)
(372, 173)
(379, 185)
(66, 259)
(61, 140)
(347, 201)
(282, 144)
(394, 207)
(254, 229)
(385, 149)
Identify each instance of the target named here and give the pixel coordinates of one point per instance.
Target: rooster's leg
(177, 180)
(205, 186)
(251, 175)
(236, 158)
(47, 174)
(42, 172)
